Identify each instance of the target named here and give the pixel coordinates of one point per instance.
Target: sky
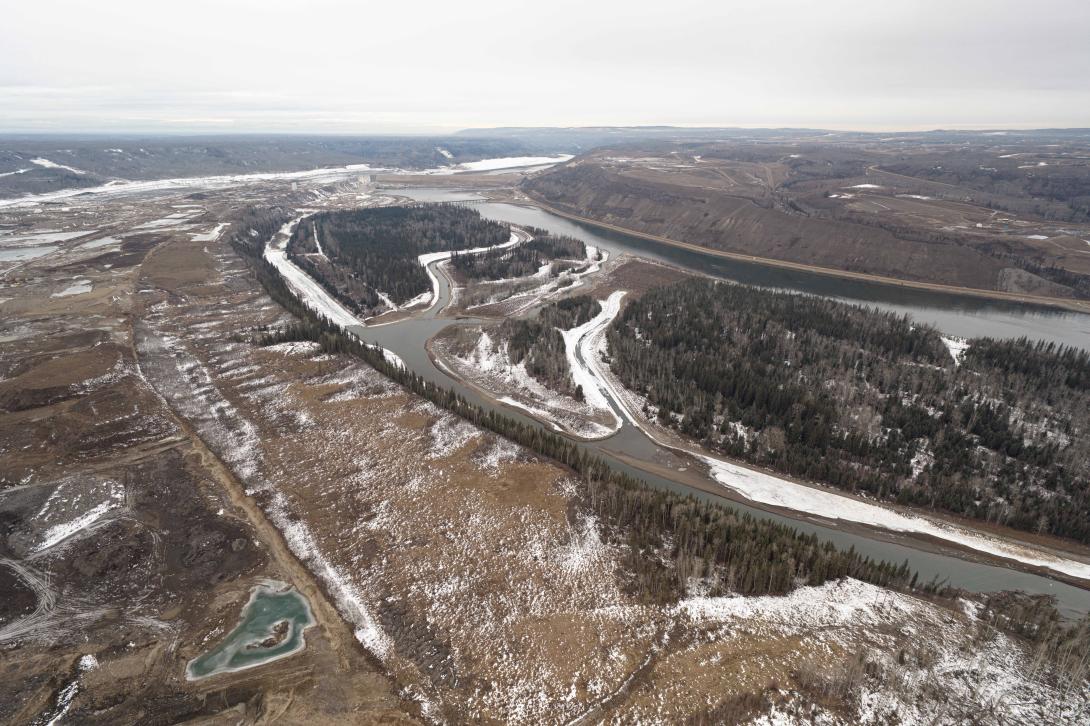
(405, 66)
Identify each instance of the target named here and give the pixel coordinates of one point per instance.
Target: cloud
(390, 67)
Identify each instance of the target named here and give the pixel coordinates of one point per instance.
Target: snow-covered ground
(47, 164)
(772, 490)
(177, 220)
(564, 283)
(42, 237)
(74, 508)
(122, 188)
(317, 241)
(78, 287)
(428, 258)
(211, 235)
(581, 345)
(222, 181)
(489, 365)
(956, 346)
(99, 243)
(387, 301)
(985, 676)
(22, 254)
(506, 162)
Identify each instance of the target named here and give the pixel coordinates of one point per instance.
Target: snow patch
(47, 164)
(507, 162)
(956, 346)
(210, 236)
(580, 347)
(79, 287)
(772, 490)
(296, 347)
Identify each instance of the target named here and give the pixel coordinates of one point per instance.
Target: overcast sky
(405, 66)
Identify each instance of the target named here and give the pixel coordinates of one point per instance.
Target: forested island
(866, 401)
(362, 256)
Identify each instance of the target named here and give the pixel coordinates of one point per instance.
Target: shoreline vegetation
(988, 431)
(1068, 304)
(651, 517)
(673, 538)
(369, 259)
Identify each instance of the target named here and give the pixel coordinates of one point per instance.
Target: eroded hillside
(928, 215)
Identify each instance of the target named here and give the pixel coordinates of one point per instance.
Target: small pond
(271, 627)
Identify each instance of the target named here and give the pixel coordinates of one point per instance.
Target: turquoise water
(268, 606)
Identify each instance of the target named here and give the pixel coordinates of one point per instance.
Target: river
(953, 314)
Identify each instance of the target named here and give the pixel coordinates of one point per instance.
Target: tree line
(375, 250)
(671, 537)
(558, 251)
(867, 401)
(539, 343)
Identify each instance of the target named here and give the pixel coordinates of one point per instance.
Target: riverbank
(1011, 575)
(777, 492)
(1072, 305)
(807, 501)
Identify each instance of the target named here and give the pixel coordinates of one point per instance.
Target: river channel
(953, 314)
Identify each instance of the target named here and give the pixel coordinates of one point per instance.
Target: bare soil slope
(839, 207)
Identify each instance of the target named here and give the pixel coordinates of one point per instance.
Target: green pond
(271, 627)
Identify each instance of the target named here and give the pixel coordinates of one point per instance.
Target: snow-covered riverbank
(769, 489)
(489, 366)
(581, 345)
(313, 295)
(517, 236)
(772, 490)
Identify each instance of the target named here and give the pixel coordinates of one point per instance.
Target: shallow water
(269, 605)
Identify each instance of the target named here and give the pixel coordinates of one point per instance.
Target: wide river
(954, 314)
